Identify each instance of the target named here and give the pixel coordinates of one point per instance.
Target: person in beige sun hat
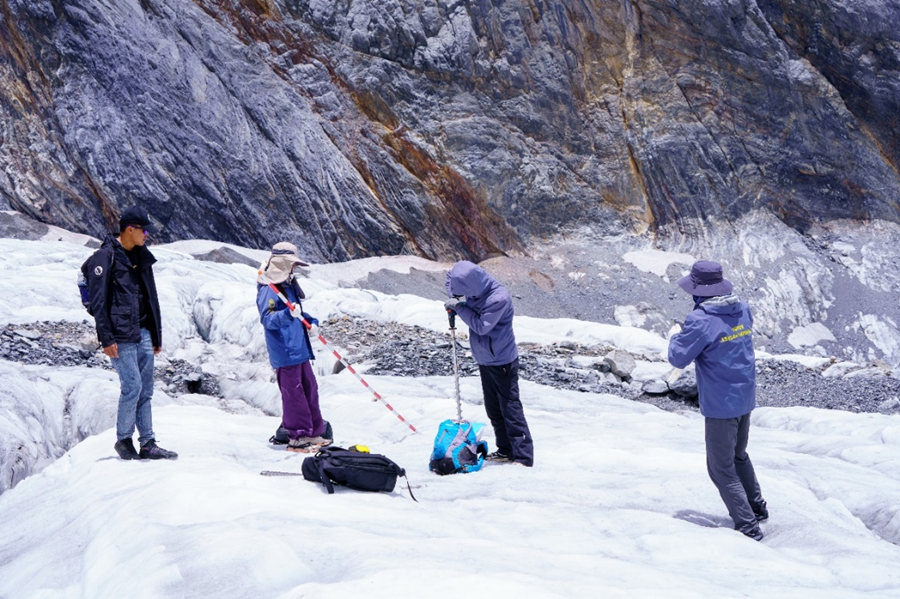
(290, 352)
(282, 264)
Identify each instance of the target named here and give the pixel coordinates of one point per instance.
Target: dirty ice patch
(629, 316)
(813, 362)
(809, 335)
(196, 247)
(882, 333)
(57, 234)
(354, 270)
(656, 261)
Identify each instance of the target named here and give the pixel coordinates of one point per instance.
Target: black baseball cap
(137, 215)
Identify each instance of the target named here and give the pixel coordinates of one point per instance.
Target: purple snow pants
(300, 401)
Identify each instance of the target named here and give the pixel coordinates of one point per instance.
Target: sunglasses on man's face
(139, 228)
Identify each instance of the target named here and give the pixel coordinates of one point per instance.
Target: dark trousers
(300, 401)
(731, 470)
(501, 402)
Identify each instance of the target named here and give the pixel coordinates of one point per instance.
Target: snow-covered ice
(617, 505)
(657, 261)
(809, 335)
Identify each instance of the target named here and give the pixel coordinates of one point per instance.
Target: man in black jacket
(125, 307)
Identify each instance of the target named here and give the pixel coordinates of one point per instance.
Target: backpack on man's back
(82, 280)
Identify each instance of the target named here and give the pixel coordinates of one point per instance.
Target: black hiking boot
(282, 437)
(761, 511)
(498, 456)
(151, 451)
(125, 449)
(754, 532)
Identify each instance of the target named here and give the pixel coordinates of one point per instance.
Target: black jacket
(116, 294)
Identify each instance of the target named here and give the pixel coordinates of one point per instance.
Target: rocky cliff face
(447, 128)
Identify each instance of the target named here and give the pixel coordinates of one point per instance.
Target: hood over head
(468, 279)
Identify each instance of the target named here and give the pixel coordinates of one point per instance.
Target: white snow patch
(884, 335)
(645, 370)
(809, 335)
(840, 369)
(656, 261)
(629, 316)
(808, 361)
(867, 373)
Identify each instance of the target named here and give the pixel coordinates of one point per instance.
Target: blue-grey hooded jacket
(487, 311)
(718, 338)
(286, 337)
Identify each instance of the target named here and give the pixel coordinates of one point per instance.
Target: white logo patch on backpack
(98, 270)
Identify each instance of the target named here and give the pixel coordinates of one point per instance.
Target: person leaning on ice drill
(488, 312)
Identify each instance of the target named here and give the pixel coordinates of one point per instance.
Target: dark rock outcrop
(446, 129)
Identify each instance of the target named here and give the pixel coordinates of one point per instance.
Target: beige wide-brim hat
(278, 267)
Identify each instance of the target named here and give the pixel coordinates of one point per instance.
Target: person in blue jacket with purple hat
(718, 337)
(486, 308)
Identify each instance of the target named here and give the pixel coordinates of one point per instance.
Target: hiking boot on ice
(125, 449)
(303, 445)
(281, 436)
(754, 532)
(761, 511)
(498, 456)
(151, 451)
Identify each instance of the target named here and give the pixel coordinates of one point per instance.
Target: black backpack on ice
(356, 470)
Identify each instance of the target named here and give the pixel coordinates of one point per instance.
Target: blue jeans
(135, 368)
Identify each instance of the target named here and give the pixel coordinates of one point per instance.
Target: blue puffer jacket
(488, 312)
(286, 337)
(718, 337)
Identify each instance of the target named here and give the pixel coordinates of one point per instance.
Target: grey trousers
(730, 468)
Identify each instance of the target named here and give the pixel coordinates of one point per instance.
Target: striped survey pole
(347, 364)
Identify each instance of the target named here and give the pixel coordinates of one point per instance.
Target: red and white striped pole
(349, 366)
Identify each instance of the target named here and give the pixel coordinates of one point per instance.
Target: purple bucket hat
(706, 280)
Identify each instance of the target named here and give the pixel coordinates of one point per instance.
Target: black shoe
(151, 451)
(498, 456)
(125, 449)
(761, 511)
(754, 533)
(282, 436)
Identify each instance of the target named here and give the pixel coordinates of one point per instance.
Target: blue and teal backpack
(458, 448)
